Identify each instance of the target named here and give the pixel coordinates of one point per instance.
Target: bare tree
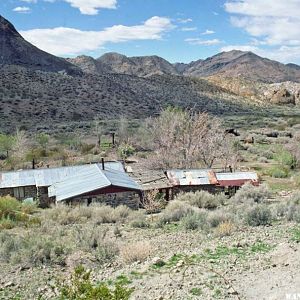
(123, 130)
(186, 139)
(98, 130)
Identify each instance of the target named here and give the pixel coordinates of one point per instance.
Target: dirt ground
(252, 263)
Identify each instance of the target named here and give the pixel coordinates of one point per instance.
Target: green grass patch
(296, 234)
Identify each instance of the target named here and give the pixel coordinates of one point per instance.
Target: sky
(177, 30)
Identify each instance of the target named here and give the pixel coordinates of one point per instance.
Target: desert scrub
(258, 215)
(202, 199)
(252, 194)
(99, 214)
(225, 229)
(219, 216)
(196, 220)
(137, 251)
(81, 287)
(278, 172)
(138, 219)
(14, 213)
(175, 211)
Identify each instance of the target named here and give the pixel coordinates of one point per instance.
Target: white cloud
(188, 28)
(197, 41)
(274, 25)
(184, 21)
(207, 32)
(91, 7)
(276, 22)
(70, 41)
(22, 9)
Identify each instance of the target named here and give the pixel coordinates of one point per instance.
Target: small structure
(95, 185)
(34, 184)
(208, 180)
(150, 180)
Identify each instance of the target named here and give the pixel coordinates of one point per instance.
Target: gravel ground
(252, 263)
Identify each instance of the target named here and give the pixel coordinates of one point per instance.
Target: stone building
(208, 180)
(33, 184)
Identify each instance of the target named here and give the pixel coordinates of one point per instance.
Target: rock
(282, 97)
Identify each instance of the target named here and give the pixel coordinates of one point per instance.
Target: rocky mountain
(114, 63)
(246, 65)
(15, 50)
(236, 64)
(38, 89)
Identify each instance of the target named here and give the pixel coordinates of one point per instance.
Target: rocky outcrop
(283, 97)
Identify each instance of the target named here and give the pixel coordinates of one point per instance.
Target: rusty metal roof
(46, 177)
(209, 177)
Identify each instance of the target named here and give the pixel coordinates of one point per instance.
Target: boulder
(282, 97)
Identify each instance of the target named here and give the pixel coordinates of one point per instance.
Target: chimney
(102, 162)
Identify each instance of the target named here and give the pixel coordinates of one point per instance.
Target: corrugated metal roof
(189, 177)
(206, 176)
(237, 176)
(46, 177)
(91, 180)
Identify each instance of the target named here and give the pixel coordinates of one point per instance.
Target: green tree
(6, 143)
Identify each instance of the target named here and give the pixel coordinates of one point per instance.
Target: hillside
(246, 65)
(236, 64)
(114, 63)
(28, 98)
(17, 51)
(38, 89)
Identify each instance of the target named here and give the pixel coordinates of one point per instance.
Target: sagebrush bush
(249, 193)
(175, 211)
(202, 199)
(278, 172)
(196, 220)
(225, 229)
(97, 213)
(138, 219)
(258, 215)
(137, 251)
(14, 213)
(215, 218)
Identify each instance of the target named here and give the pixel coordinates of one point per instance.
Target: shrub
(225, 229)
(249, 193)
(259, 215)
(284, 157)
(195, 221)
(267, 154)
(9, 207)
(13, 213)
(202, 199)
(139, 220)
(138, 251)
(262, 159)
(278, 172)
(175, 211)
(81, 287)
(217, 217)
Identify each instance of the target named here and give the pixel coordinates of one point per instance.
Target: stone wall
(193, 188)
(29, 192)
(130, 199)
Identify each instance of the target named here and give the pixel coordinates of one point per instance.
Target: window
(19, 192)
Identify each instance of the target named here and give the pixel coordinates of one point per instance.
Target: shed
(33, 183)
(97, 185)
